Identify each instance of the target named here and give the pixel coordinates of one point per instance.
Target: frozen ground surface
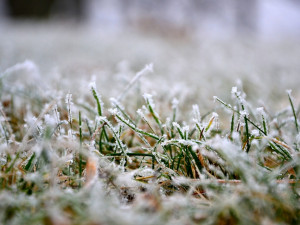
(66, 157)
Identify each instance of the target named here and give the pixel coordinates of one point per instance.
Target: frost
(147, 68)
(186, 142)
(215, 98)
(30, 120)
(231, 150)
(28, 66)
(234, 90)
(92, 85)
(244, 113)
(235, 135)
(185, 129)
(68, 101)
(140, 113)
(180, 180)
(214, 114)
(126, 179)
(145, 172)
(175, 103)
(70, 135)
(168, 121)
(49, 120)
(148, 98)
(32, 176)
(195, 147)
(175, 124)
(116, 103)
(113, 111)
(101, 118)
(289, 92)
(196, 114)
(88, 170)
(255, 133)
(3, 159)
(260, 110)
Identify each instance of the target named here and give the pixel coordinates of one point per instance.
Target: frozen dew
(28, 66)
(195, 147)
(92, 85)
(234, 90)
(176, 125)
(116, 103)
(185, 128)
(149, 99)
(50, 120)
(289, 92)
(70, 135)
(113, 111)
(175, 103)
(140, 113)
(260, 110)
(3, 158)
(215, 98)
(255, 133)
(196, 114)
(68, 101)
(244, 114)
(147, 68)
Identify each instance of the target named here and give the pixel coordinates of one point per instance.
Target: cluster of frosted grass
(69, 159)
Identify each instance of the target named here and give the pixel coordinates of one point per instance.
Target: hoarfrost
(196, 114)
(289, 92)
(92, 85)
(68, 101)
(234, 90)
(185, 129)
(175, 124)
(215, 98)
(49, 120)
(113, 111)
(175, 103)
(260, 110)
(148, 98)
(255, 133)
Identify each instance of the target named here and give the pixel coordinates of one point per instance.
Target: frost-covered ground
(159, 149)
(184, 67)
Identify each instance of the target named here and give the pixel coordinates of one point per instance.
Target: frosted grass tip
(233, 90)
(260, 110)
(175, 103)
(92, 85)
(113, 111)
(149, 67)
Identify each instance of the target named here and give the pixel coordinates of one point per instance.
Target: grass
(107, 165)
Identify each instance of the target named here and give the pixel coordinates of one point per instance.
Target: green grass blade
(294, 113)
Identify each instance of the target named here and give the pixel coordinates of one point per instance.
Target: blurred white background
(261, 18)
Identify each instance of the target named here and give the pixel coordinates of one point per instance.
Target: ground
(127, 127)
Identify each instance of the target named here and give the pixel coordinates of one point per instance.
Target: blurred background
(199, 48)
(214, 17)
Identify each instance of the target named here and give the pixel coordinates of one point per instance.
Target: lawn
(111, 127)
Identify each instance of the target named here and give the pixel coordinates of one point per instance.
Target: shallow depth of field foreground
(101, 126)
